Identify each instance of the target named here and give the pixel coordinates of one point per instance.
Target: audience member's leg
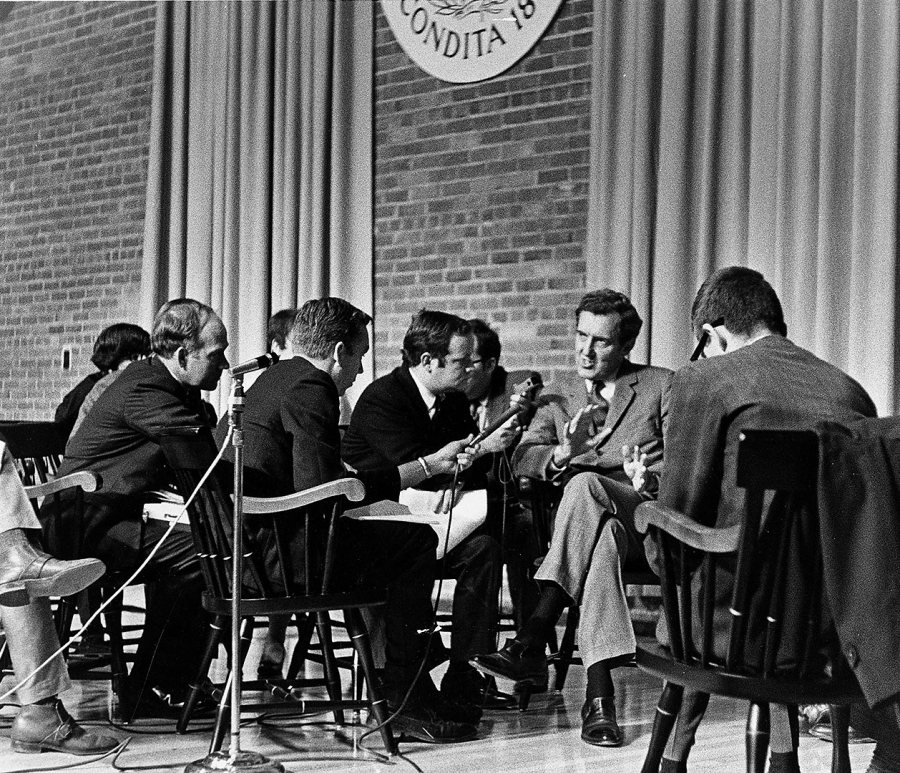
(42, 723)
(883, 725)
(519, 554)
(693, 708)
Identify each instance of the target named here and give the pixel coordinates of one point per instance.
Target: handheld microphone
(257, 363)
(531, 384)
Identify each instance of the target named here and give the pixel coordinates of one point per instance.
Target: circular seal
(464, 41)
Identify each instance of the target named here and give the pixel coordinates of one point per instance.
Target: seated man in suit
(402, 417)
(27, 577)
(292, 442)
(576, 439)
(119, 440)
(490, 390)
(751, 376)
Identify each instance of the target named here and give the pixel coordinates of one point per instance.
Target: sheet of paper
(416, 506)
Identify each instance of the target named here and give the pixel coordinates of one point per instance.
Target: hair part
(742, 298)
(278, 328)
(322, 323)
(430, 331)
(179, 323)
(608, 301)
(120, 342)
(488, 342)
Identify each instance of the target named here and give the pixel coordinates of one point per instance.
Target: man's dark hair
(120, 342)
(431, 331)
(487, 338)
(179, 323)
(321, 323)
(279, 328)
(742, 298)
(607, 301)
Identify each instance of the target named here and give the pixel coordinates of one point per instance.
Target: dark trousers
(475, 565)
(175, 626)
(401, 557)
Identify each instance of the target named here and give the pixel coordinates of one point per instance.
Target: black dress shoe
(471, 687)
(48, 727)
(598, 723)
(426, 695)
(156, 704)
(420, 722)
(28, 573)
(514, 662)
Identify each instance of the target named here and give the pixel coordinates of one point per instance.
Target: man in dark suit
(576, 440)
(751, 376)
(292, 442)
(119, 440)
(407, 414)
(491, 389)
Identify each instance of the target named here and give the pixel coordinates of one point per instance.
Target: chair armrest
(86, 481)
(685, 530)
(352, 488)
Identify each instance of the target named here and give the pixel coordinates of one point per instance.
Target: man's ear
(490, 364)
(182, 354)
(425, 360)
(338, 351)
(716, 335)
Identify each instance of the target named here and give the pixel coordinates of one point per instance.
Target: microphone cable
(121, 589)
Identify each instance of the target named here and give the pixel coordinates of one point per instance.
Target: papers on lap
(417, 506)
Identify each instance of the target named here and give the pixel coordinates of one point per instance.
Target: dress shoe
(48, 727)
(271, 661)
(514, 662)
(29, 573)
(425, 694)
(598, 723)
(426, 722)
(156, 704)
(468, 686)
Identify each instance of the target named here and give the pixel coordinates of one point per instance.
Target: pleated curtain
(752, 133)
(260, 187)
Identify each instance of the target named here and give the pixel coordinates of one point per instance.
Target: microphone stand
(236, 759)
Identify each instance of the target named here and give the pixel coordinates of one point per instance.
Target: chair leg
(840, 726)
(332, 677)
(305, 627)
(117, 667)
(216, 631)
(666, 713)
(359, 637)
(566, 648)
(757, 738)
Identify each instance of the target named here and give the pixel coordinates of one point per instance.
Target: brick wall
(481, 194)
(74, 120)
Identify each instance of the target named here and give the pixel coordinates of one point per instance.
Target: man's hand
(458, 452)
(501, 438)
(635, 464)
(444, 499)
(579, 436)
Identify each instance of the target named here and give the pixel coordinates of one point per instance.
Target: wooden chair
(775, 642)
(210, 514)
(543, 498)
(38, 449)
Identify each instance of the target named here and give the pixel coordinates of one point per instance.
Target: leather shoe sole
(72, 578)
(412, 728)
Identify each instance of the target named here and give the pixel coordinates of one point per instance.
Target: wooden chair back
(37, 446)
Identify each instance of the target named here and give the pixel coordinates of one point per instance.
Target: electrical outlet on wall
(67, 358)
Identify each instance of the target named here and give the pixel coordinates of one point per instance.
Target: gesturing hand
(580, 435)
(501, 438)
(635, 464)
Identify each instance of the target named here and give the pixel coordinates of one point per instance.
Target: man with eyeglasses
(407, 414)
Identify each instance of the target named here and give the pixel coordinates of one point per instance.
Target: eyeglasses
(704, 340)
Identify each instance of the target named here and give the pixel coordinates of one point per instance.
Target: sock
(599, 681)
(784, 762)
(672, 766)
(551, 603)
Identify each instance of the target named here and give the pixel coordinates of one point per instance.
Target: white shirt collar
(428, 397)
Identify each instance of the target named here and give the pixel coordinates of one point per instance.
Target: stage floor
(544, 738)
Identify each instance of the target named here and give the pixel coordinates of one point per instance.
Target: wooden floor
(545, 738)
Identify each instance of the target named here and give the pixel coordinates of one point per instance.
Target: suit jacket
(120, 442)
(638, 413)
(770, 384)
(291, 435)
(859, 499)
(390, 425)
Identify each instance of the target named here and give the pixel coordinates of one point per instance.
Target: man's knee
(588, 485)
(612, 545)
(479, 553)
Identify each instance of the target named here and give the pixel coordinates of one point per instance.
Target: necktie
(602, 409)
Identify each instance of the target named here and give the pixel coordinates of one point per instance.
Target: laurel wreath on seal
(462, 8)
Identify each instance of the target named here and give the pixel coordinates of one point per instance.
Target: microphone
(257, 363)
(531, 384)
